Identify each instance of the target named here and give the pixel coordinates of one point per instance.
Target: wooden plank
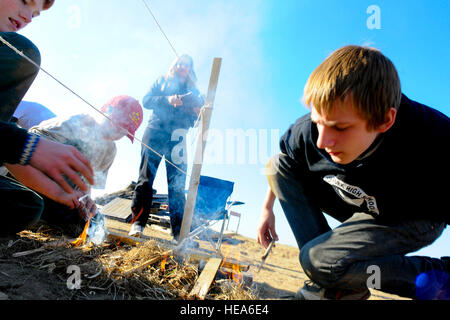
(118, 209)
(199, 151)
(206, 278)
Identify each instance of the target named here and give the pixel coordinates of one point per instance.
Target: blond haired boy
(371, 158)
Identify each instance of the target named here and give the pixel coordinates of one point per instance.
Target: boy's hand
(266, 229)
(55, 160)
(87, 208)
(41, 183)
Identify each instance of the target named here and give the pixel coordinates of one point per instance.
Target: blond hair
(364, 74)
(192, 78)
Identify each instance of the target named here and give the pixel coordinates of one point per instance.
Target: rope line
(161, 29)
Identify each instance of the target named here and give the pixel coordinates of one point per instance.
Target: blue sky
(105, 48)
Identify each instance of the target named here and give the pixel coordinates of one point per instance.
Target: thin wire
(20, 53)
(159, 26)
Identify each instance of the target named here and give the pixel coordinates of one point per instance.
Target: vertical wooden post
(200, 147)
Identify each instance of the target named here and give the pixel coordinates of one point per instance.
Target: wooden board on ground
(206, 278)
(117, 209)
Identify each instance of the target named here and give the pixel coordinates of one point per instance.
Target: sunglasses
(183, 64)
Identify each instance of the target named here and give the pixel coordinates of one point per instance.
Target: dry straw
(103, 269)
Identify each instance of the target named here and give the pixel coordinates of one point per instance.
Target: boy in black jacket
(20, 205)
(371, 158)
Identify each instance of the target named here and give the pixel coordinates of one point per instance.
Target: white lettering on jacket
(352, 194)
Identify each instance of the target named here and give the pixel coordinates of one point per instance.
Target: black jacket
(403, 176)
(13, 140)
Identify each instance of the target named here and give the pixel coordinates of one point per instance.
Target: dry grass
(103, 269)
(228, 290)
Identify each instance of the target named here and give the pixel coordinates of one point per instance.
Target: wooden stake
(25, 253)
(125, 239)
(206, 278)
(58, 243)
(198, 157)
(265, 255)
(147, 263)
(52, 244)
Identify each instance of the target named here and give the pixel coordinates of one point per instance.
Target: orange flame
(82, 237)
(236, 274)
(163, 262)
(225, 255)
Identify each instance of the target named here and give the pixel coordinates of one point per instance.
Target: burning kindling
(82, 237)
(121, 267)
(231, 268)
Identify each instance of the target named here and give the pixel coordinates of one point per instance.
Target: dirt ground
(22, 278)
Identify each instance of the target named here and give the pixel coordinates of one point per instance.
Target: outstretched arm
(266, 229)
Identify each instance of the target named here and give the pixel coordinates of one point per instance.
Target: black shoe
(312, 291)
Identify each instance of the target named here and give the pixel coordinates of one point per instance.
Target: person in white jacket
(96, 141)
